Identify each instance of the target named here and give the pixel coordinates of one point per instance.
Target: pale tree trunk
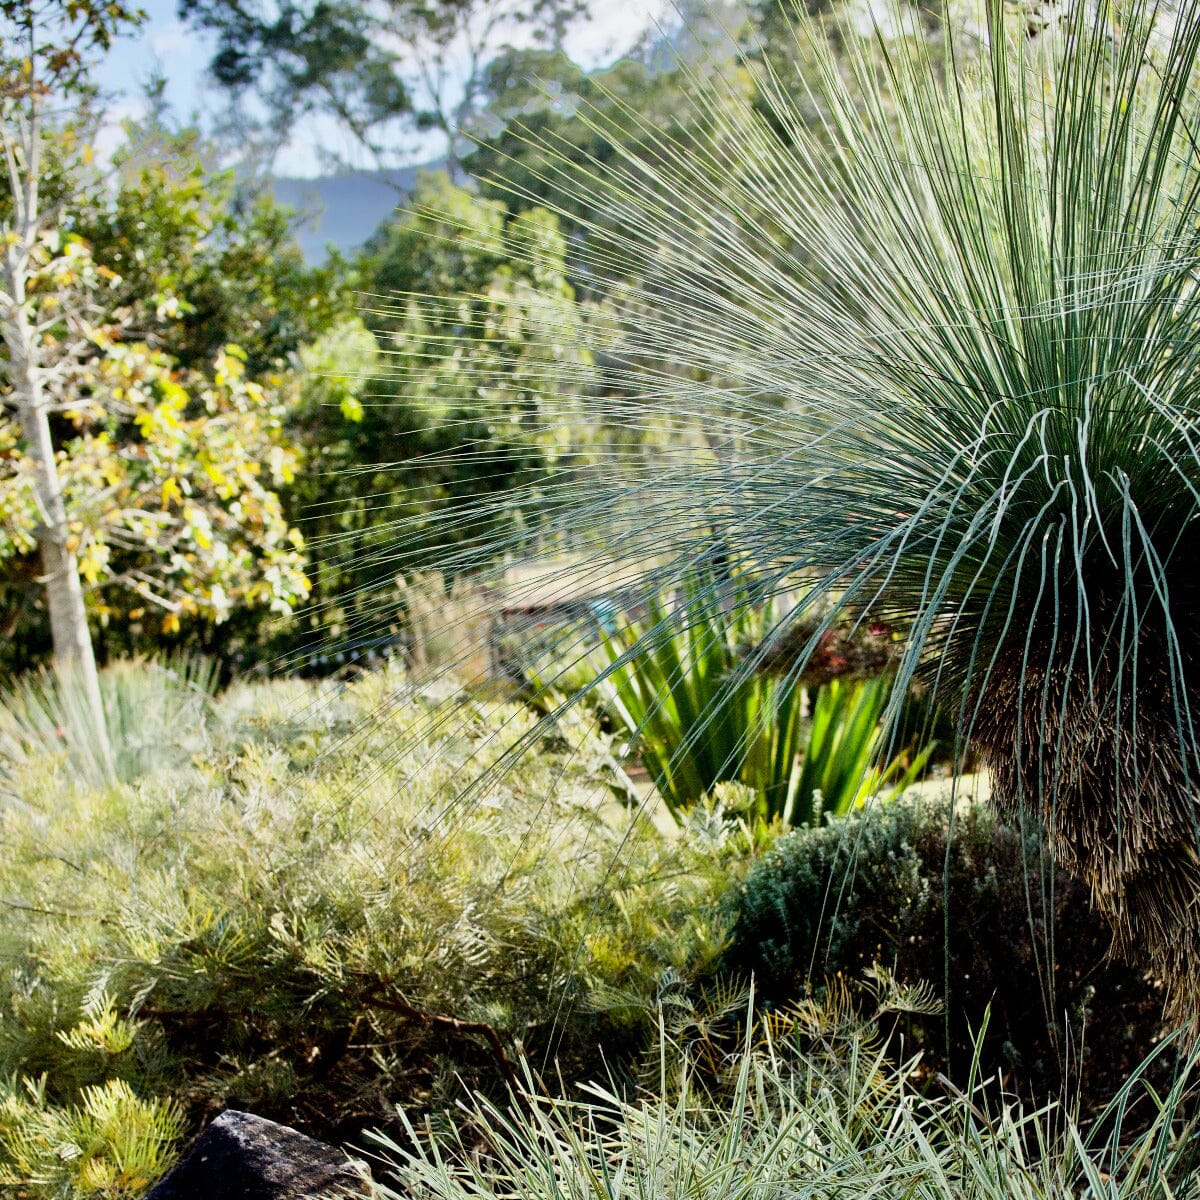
(64, 593)
(74, 657)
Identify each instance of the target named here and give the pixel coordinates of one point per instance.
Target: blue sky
(165, 45)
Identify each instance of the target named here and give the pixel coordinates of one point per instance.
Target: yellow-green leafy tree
(139, 462)
(169, 482)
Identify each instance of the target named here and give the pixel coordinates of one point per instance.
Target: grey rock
(244, 1157)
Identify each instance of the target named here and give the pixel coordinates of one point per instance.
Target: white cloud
(614, 27)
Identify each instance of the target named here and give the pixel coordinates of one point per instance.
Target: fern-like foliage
(304, 924)
(112, 1144)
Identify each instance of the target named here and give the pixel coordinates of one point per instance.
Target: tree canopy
(383, 69)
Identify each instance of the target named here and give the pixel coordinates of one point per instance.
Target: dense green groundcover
(290, 901)
(951, 897)
(284, 913)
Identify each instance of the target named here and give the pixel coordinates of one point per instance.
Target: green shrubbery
(314, 917)
(304, 922)
(685, 688)
(112, 1143)
(976, 912)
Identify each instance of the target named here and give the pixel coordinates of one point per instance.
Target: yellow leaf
(93, 561)
(174, 396)
(166, 415)
(170, 623)
(170, 491)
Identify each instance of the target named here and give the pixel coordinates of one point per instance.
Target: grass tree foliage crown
(934, 314)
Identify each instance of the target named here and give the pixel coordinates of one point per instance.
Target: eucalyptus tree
(45, 48)
(382, 70)
(950, 291)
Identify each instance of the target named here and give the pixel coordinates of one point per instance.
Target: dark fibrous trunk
(1085, 720)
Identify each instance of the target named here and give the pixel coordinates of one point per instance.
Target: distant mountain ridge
(345, 209)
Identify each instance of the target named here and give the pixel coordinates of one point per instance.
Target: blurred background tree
(453, 420)
(383, 69)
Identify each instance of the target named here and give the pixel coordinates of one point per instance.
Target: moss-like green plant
(960, 901)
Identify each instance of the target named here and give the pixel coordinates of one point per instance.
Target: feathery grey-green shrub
(300, 923)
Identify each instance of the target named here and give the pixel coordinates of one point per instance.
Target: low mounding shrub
(306, 923)
(972, 908)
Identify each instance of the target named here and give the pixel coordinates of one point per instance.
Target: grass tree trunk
(1094, 733)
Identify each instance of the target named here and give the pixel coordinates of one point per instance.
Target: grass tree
(943, 299)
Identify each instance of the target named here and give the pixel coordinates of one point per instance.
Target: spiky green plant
(843, 1123)
(155, 713)
(674, 688)
(677, 686)
(934, 322)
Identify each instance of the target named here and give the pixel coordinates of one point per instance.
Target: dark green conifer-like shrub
(978, 912)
